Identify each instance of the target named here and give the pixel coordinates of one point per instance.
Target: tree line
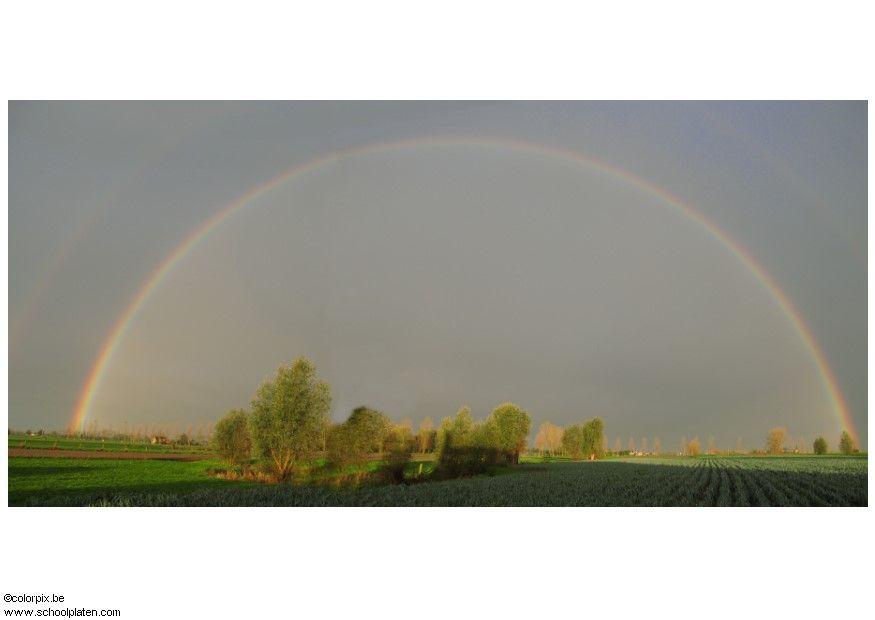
(288, 425)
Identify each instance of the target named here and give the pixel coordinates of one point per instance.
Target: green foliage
(398, 447)
(443, 433)
(820, 446)
(846, 443)
(352, 442)
(462, 427)
(231, 437)
(455, 431)
(584, 440)
(506, 430)
(290, 417)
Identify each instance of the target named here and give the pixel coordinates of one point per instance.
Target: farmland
(51, 442)
(657, 481)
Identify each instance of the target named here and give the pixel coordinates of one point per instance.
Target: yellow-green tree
(290, 417)
(511, 423)
(846, 443)
(231, 437)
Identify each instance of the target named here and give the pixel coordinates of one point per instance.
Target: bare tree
(775, 440)
(712, 445)
(631, 444)
(694, 448)
(657, 445)
(644, 445)
(618, 446)
(549, 438)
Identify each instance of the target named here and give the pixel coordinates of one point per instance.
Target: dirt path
(104, 454)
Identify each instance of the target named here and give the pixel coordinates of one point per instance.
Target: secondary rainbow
(117, 333)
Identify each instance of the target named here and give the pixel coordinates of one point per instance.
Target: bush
(820, 446)
(231, 438)
(459, 461)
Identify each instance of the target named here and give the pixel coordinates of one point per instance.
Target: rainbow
(116, 335)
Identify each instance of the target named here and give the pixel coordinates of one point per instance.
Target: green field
(48, 442)
(664, 481)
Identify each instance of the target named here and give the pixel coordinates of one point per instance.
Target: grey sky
(429, 278)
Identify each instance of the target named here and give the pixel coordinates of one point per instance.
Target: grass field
(47, 442)
(664, 481)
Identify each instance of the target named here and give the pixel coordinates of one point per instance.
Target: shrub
(231, 437)
(820, 446)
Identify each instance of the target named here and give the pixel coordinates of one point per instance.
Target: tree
(369, 428)
(352, 442)
(631, 444)
(549, 438)
(462, 426)
(820, 446)
(644, 445)
(775, 440)
(572, 441)
(694, 448)
(846, 443)
(231, 438)
(511, 424)
(425, 437)
(618, 446)
(657, 446)
(584, 440)
(398, 447)
(290, 417)
(712, 445)
(443, 433)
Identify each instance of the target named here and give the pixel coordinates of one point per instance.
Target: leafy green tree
(593, 438)
(846, 443)
(290, 417)
(231, 437)
(585, 440)
(820, 446)
(370, 427)
(510, 425)
(572, 441)
(462, 427)
(442, 435)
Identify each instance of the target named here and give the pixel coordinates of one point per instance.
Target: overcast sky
(422, 279)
